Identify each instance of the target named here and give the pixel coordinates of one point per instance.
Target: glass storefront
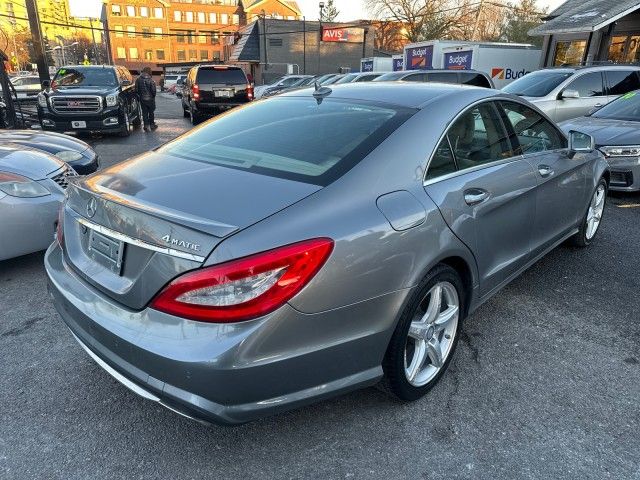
(624, 49)
(570, 52)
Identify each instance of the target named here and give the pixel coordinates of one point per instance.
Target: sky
(349, 9)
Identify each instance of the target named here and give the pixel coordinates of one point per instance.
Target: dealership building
(269, 48)
(581, 32)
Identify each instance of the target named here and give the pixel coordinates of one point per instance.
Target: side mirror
(125, 83)
(569, 94)
(580, 143)
(46, 84)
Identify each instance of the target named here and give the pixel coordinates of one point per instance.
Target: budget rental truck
(504, 62)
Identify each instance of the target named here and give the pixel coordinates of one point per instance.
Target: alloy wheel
(431, 334)
(594, 215)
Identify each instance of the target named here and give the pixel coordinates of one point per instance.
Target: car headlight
(42, 100)
(112, 100)
(19, 186)
(68, 155)
(621, 151)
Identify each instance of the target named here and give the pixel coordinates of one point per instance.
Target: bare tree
(422, 19)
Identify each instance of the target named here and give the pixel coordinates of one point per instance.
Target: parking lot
(545, 384)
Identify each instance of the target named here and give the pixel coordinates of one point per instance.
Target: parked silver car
(341, 243)
(32, 185)
(570, 92)
(616, 130)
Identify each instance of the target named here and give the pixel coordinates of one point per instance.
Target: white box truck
(397, 63)
(504, 62)
(426, 55)
(375, 64)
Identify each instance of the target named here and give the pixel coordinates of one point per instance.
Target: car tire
(593, 218)
(137, 122)
(422, 331)
(195, 118)
(125, 131)
(185, 111)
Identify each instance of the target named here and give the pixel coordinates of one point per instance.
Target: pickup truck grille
(84, 104)
(62, 178)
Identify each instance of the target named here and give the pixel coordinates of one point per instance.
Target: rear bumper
(230, 373)
(213, 108)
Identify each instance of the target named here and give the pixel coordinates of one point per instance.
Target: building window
(180, 37)
(204, 55)
(177, 16)
(213, 18)
(224, 18)
(202, 38)
(624, 49)
(158, 12)
(188, 17)
(181, 56)
(133, 53)
(116, 10)
(190, 36)
(121, 53)
(202, 18)
(193, 55)
(570, 52)
(159, 54)
(144, 11)
(157, 31)
(216, 55)
(131, 11)
(215, 38)
(235, 19)
(119, 32)
(131, 31)
(148, 54)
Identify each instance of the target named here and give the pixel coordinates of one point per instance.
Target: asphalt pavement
(545, 384)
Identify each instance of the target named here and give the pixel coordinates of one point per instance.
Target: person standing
(146, 90)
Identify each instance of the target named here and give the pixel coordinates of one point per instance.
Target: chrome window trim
(139, 243)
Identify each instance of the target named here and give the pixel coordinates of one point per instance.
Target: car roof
(579, 68)
(403, 94)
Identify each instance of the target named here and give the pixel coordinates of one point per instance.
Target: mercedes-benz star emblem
(92, 207)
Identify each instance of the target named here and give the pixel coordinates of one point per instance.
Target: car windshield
(626, 107)
(347, 78)
(389, 76)
(85, 77)
(537, 84)
(294, 137)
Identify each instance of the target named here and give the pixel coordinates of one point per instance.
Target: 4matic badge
(181, 243)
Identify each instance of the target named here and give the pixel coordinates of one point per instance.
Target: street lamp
(321, 5)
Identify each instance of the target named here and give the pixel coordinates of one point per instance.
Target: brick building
(151, 32)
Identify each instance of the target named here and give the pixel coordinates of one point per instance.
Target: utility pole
(264, 43)
(304, 45)
(36, 35)
(364, 41)
(104, 18)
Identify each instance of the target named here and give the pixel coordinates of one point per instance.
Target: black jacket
(146, 87)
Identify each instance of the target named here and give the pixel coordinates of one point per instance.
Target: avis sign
(344, 35)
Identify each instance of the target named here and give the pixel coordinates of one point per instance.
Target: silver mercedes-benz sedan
(315, 243)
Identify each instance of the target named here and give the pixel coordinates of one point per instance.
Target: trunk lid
(159, 216)
(222, 85)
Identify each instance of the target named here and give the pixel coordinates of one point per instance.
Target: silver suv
(570, 92)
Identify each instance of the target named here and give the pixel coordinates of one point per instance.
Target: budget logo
(497, 73)
(507, 73)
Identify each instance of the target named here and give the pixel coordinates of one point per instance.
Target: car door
(561, 180)
(485, 193)
(591, 94)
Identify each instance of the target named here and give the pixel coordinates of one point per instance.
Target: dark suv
(462, 77)
(90, 98)
(210, 89)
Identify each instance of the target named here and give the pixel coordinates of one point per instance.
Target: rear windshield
(390, 76)
(290, 137)
(85, 77)
(228, 76)
(537, 84)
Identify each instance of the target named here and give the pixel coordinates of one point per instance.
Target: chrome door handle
(545, 170)
(474, 196)
(598, 105)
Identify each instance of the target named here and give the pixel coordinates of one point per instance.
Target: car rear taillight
(195, 91)
(246, 288)
(249, 92)
(60, 226)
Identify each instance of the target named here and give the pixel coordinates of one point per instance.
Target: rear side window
(588, 85)
(292, 137)
(227, 76)
(443, 77)
(474, 79)
(533, 131)
(478, 137)
(416, 77)
(620, 82)
(442, 161)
